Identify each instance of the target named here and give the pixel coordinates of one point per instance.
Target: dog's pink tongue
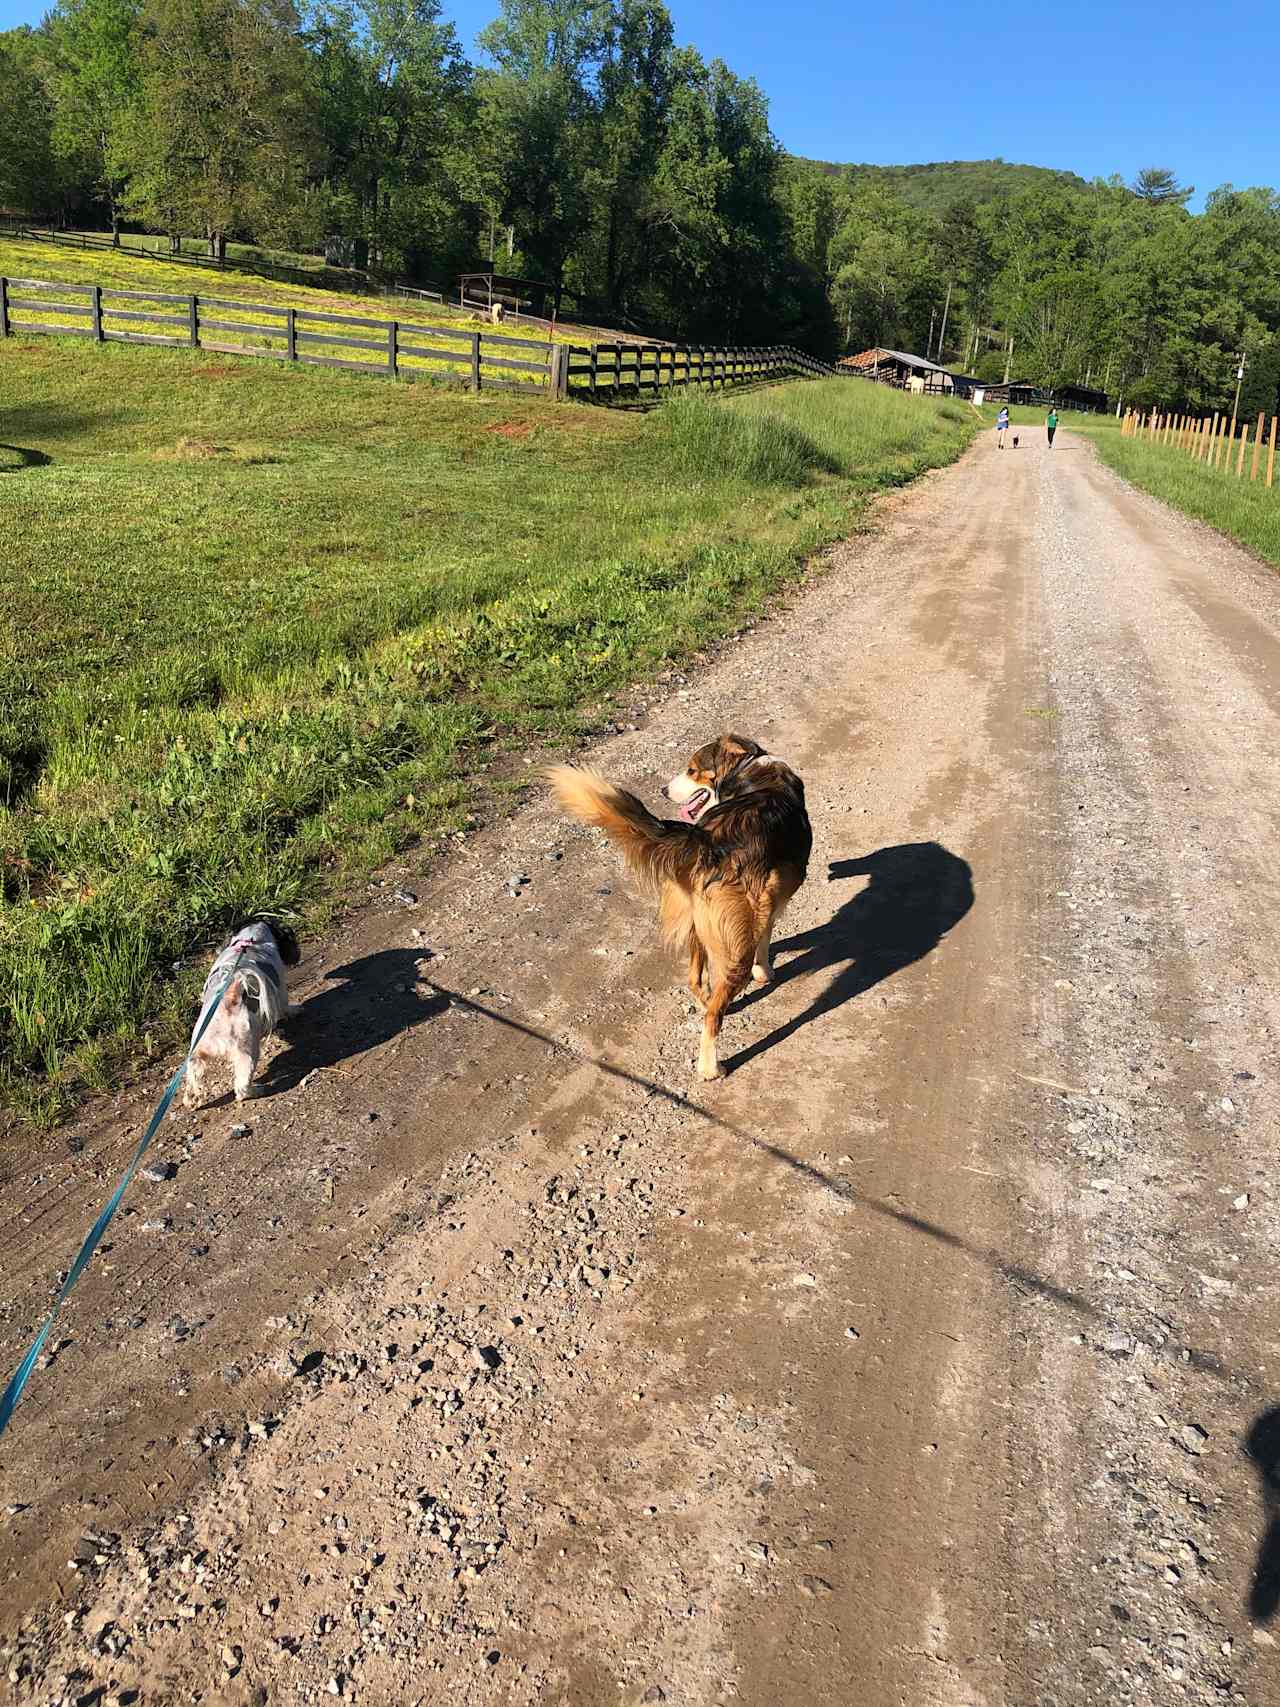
(691, 808)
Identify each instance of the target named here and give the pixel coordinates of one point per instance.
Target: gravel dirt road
(930, 1358)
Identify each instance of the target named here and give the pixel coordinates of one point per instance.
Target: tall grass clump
(705, 439)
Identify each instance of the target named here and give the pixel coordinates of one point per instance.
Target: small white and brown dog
(254, 1003)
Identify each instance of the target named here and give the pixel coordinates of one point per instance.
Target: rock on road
(930, 1358)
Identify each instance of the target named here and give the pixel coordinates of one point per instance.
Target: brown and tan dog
(723, 874)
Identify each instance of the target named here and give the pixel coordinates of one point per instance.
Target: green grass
(264, 622)
(1245, 510)
(113, 269)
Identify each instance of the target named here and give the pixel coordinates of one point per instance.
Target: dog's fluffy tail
(659, 850)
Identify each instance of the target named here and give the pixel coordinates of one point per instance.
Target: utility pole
(945, 312)
(1235, 407)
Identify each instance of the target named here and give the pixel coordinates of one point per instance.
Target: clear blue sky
(1092, 87)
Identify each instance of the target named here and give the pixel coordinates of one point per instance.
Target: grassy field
(263, 622)
(113, 270)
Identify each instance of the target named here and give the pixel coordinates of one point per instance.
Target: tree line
(590, 150)
(1107, 284)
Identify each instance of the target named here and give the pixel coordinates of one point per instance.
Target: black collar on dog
(741, 765)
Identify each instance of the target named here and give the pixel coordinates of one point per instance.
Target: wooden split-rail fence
(617, 368)
(388, 348)
(1216, 440)
(382, 348)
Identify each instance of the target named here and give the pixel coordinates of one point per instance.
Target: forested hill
(939, 185)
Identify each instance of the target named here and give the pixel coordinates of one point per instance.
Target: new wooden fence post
(1211, 453)
(475, 361)
(559, 370)
(95, 307)
(1271, 451)
(1257, 444)
(393, 328)
(4, 306)
(1244, 439)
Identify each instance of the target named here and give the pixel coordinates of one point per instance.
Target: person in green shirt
(1052, 424)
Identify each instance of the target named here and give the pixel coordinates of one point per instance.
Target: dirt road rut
(930, 1358)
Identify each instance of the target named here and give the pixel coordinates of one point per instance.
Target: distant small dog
(255, 1002)
(1015, 441)
(723, 874)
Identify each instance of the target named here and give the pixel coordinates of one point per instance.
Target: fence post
(392, 329)
(595, 364)
(290, 335)
(4, 306)
(193, 322)
(475, 361)
(1244, 440)
(1257, 444)
(1271, 451)
(95, 303)
(559, 371)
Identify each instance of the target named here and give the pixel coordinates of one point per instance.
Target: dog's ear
(286, 942)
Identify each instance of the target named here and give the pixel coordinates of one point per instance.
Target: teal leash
(13, 1392)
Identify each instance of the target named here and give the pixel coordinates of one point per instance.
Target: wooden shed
(1081, 397)
(899, 367)
(1018, 391)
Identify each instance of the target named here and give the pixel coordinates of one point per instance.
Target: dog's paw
(249, 1093)
(761, 975)
(714, 1071)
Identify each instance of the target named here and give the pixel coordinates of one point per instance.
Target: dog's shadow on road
(362, 1005)
(1262, 1445)
(917, 893)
